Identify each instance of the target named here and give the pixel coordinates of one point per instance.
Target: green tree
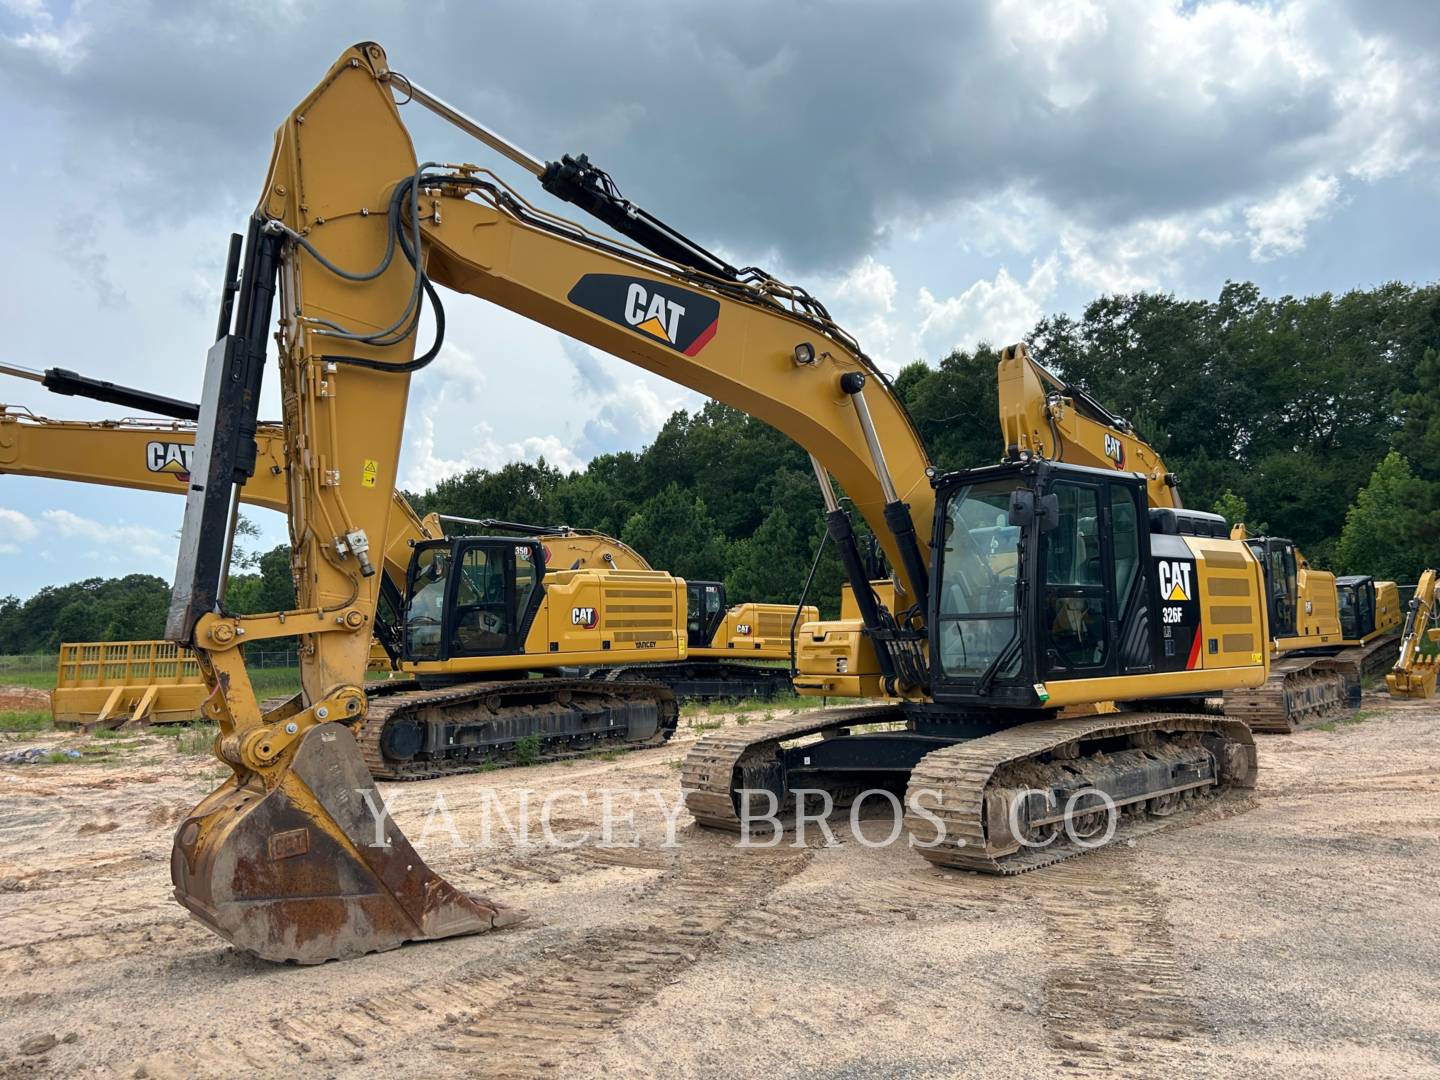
(1380, 535)
(674, 531)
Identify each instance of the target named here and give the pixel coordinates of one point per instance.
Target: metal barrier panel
(108, 683)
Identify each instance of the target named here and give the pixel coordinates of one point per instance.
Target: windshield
(979, 560)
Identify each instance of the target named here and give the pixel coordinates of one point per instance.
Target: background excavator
(156, 456)
(1326, 634)
(1019, 588)
(1414, 672)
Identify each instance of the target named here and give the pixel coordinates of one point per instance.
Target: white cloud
(62, 47)
(113, 537)
(427, 465)
(869, 284)
(16, 526)
(1000, 311)
(1277, 226)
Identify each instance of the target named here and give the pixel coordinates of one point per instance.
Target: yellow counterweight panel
(756, 632)
(1233, 620)
(1388, 613)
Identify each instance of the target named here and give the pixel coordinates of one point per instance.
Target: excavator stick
(312, 869)
(293, 858)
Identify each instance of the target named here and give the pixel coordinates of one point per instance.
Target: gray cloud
(803, 129)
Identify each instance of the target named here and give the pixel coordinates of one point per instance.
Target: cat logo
(169, 457)
(743, 629)
(678, 318)
(1115, 450)
(1175, 580)
(587, 618)
(653, 315)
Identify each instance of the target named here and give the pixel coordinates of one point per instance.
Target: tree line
(1316, 418)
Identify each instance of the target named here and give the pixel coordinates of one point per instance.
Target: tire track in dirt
(572, 1002)
(524, 1019)
(1116, 1001)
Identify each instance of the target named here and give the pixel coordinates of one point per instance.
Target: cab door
(496, 589)
(705, 607)
(472, 597)
(1094, 600)
(1277, 558)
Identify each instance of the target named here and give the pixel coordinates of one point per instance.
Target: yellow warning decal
(369, 472)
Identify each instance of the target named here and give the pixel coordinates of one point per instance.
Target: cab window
(482, 617)
(425, 614)
(1074, 595)
(979, 558)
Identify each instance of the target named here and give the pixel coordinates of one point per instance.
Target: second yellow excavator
(646, 638)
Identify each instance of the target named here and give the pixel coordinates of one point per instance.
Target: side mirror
(1022, 508)
(1048, 512)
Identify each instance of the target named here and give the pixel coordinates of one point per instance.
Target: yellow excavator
(1414, 672)
(1019, 589)
(1325, 632)
(1326, 635)
(699, 637)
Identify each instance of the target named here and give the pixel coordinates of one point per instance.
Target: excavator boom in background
(1019, 589)
(1414, 672)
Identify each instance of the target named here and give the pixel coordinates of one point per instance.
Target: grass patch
(39, 680)
(704, 725)
(527, 750)
(195, 739)
(1348, 721)
(59, 757)
(33, 720)
(726, 706)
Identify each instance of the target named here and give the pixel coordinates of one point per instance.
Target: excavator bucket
(310, 869)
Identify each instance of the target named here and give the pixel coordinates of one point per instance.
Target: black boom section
(225, 436)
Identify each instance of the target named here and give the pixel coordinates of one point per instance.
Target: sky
(939, 175)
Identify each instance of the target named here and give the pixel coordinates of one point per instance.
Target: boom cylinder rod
(474, 128)
(64, 381)
(827, 490)
(897, 514)
(853, 383)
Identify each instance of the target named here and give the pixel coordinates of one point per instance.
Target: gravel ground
(1288, 933)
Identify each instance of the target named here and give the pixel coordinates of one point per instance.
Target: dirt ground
(1289, 933)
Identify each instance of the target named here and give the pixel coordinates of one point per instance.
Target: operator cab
(1277, 559)
(705, 610)
(471, 596)
(1356, 594)
(1087, 540)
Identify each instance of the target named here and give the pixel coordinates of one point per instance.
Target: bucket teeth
(311, 869)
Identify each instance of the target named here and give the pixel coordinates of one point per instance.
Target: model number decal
(1172, 615)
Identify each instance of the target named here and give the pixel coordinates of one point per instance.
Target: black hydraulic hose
(804, 595)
